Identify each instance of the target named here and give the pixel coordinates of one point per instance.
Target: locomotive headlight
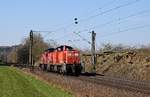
(69, 54)
(76, 54)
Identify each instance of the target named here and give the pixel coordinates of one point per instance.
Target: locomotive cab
(70, 56)
(71, 60)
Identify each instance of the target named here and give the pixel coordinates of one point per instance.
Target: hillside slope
(129, 64)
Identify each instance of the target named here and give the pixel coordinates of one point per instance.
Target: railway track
(137, 86)
(124, 84)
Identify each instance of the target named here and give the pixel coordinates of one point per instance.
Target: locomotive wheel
(59, 69)
(73, 69)
(40, 66)
(45, 67)
(48, 68)
(51, 68)
(64, 69)
(68, 69)
(78, 70)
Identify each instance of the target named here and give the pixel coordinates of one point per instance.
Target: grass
(15, 83)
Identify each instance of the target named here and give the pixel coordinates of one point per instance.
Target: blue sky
(18, 17)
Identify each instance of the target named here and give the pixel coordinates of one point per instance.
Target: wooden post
(31, 51)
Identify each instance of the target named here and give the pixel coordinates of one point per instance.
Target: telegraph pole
(31, 51)
(93, 59)
(15, 55)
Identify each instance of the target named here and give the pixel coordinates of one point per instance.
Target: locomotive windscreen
(69, 48)
(64, 47)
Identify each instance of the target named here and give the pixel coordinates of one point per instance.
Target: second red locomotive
(63, 59)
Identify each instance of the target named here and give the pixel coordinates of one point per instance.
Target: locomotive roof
(65, 46)
(50, 49)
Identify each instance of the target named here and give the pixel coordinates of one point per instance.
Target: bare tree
(22, 53)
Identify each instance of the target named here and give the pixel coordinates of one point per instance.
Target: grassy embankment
(15, 83)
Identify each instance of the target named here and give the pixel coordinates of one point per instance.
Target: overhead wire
(109, 10)
(42, 31)
(126, 30)
(84, 39)
(93, 16)
(104, 12)
(72, 41)
(100, 8)
(71, 24)
(119, 19)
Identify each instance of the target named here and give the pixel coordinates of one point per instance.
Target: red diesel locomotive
(63, 59)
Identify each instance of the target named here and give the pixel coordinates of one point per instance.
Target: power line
(120, 6)
(84, 39)
(117, 7)
(120, 19)
(102, 7)
(104, 12)
(109, 10)
(72, 41)
(126, 30)
(42, 31)
(71, 24)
